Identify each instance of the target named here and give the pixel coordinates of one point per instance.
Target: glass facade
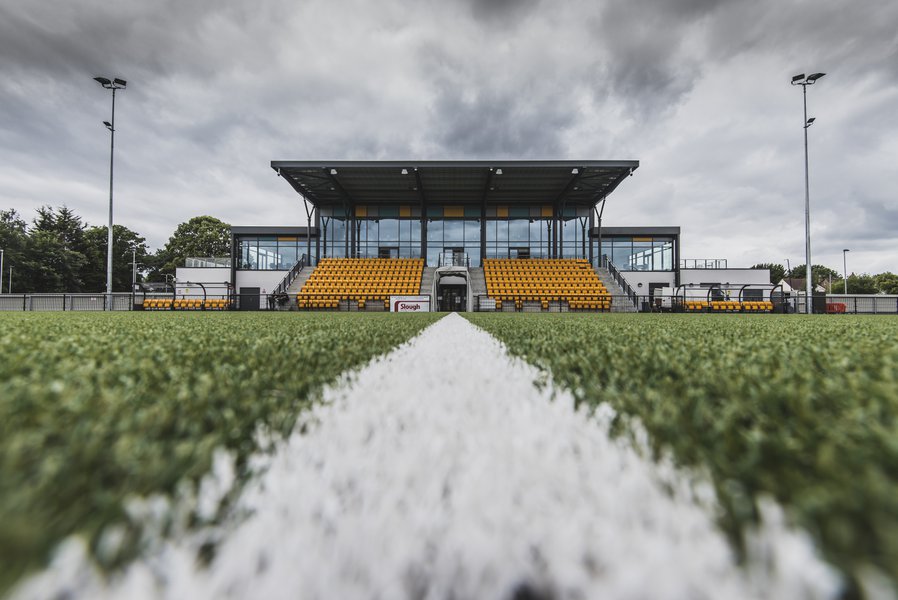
(508, 232)
(575, 238)
(638, 253)
(269, 252)
(511, 238)
(453, 234)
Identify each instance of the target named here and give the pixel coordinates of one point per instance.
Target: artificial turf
(97, 408)
(804, 409)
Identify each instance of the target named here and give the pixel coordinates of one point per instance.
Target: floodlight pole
(804, 82)
(2, 251)
(114, 84)
(809, 286)
(845, 252)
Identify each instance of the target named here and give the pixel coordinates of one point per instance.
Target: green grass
(97, 407)
(803, 409)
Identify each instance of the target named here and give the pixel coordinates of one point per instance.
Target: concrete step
(478, 281)
(427, 281)
(620, 303)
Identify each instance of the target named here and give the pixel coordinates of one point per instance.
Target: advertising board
(409, 303)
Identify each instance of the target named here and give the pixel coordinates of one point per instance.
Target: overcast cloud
(696, 90)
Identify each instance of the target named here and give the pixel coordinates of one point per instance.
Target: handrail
(288, 279)
(623, 283)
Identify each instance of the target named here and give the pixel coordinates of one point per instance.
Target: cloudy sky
(697, 90)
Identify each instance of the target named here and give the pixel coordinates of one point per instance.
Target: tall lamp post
(804, 82)
(845, 252)
(2, 251)
(114, 84)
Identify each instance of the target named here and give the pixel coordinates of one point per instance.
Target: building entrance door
(387, 252)
(453, 298)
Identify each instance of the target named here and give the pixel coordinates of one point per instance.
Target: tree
(16, 248)
(886, 283)
(57, 251)
(200, 236)
(821, 274)
(123, 240)
(777, 271)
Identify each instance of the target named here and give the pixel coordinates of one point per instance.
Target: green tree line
(863, 283)
(59, 252)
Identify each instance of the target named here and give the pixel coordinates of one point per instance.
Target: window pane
(472, 232)
(389, 231)
(453, 231)
(518, 231)
(435, 232)
(288, 253)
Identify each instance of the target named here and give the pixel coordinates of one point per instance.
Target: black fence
(775, 303)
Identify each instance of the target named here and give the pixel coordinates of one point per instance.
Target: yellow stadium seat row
(186, 304)
(362, 280)
(545, 280)
(734, 306)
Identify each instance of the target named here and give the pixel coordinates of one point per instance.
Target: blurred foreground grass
(97, 407)
(802, 408)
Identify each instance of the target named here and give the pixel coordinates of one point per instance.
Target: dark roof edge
(285, 164)
(638, 230)
(271, 230)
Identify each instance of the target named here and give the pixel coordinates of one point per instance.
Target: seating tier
(363, 280)
(545, 280)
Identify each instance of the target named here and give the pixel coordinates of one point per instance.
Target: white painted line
(442, 471)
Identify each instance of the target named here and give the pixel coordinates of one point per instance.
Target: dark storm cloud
(496, 123)
(501, 12)
(696, 89)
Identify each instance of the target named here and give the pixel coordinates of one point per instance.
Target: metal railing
(619, 279)
(291, 275)
(66, 302)
(454, 259)
(207, 262)
(703, 263)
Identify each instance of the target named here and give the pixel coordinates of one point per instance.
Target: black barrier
(226, 300)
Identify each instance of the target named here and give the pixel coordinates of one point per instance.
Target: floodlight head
(814, 77)
(811, 121)
(798, 78)
(102, 81)
(119, 82)
(404, 172)
(108, 125)
(575, 171)
(846, 250)
(498, 171)
(333, 171)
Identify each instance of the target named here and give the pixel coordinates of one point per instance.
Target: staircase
(427, 281)
(620, 302)
(296, 286)
(478, 281)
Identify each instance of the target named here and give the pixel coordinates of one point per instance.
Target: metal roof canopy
(557, 182)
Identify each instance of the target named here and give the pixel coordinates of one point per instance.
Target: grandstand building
(461, 228)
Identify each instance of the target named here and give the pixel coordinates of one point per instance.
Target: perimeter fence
(782, 304)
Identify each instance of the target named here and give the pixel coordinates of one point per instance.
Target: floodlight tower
(804, 82)
(114, 84)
